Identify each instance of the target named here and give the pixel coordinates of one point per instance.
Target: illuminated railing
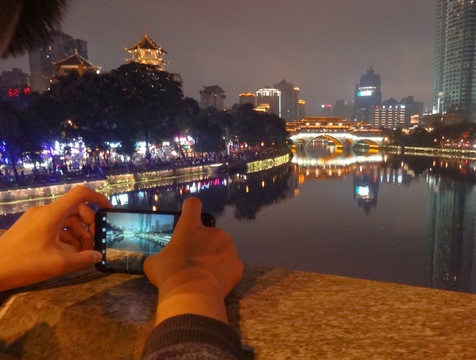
(266, 164)
(440, 152)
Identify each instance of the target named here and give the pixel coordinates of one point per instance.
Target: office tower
(248, 98)
(270, 97)
(42, 60)
(391, 115)
(343, 109)
(301, 109)
(451, 224)
(413, 108)
(454, 83)
(326, 110)
(212, 96)
(368, 95)
(289, 100)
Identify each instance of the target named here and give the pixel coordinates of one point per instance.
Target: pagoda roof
(146, 43)
(74, 60)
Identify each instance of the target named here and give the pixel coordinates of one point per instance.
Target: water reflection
(246, 193)
(366, 189)
(395, 218)
(451, 201)
(451, 221)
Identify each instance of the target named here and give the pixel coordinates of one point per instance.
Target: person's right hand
(196, 270)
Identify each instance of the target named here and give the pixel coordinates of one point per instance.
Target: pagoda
(74, 62)
(146, 51)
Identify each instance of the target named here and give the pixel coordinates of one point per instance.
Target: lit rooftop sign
(366, 91)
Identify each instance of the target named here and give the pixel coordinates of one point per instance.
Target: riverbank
(432, 152)
(279, 313)
(111, 181)
(123, 182)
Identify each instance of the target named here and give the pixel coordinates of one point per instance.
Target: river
(408, 220)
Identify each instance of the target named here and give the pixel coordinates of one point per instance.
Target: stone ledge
(281, 314)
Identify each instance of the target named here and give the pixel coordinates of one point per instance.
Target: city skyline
(323, 47)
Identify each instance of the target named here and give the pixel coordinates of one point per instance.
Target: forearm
(191, 293)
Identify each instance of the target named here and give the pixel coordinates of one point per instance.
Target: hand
(35, 248)
(196, 269)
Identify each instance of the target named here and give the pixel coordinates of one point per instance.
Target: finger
(66, 204)
(92, 228)
(86, 214)
(68, 238)
(78, 228)
(82, 259)
(191, 212)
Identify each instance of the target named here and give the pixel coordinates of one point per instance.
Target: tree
(208, 130)
(153, 101)
(255, 127)
(21, 129)
(92, 108)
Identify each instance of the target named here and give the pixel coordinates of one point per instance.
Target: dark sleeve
(192, 337)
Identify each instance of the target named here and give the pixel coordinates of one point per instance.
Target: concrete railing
(280, 314)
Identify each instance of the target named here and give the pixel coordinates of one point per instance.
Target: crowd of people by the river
(91, 169)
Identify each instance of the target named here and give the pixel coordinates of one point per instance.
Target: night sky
(322, 46)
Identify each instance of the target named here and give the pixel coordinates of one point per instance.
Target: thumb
(82, 259)
(191, 212)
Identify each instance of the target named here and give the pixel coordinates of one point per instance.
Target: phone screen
(127, 238)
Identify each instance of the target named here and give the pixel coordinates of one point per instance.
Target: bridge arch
(336, 142)
(372, 144)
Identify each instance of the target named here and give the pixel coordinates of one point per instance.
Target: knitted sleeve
(192, 337)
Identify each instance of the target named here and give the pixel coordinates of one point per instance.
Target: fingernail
(97, 256)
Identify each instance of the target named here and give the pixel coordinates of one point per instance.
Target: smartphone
(126, 237)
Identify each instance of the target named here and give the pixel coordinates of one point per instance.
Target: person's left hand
(36, 247)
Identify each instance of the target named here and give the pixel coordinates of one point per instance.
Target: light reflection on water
(406, 220)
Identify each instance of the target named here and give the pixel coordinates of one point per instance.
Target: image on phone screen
(128, 238)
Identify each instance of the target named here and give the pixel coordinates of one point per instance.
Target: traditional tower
(145, 51)
(74, 62)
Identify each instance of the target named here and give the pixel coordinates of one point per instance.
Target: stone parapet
(281, 314)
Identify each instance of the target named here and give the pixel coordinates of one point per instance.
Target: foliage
(153, 101)
(255, 127)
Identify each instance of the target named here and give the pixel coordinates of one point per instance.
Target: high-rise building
(454, 76)
(326, 110)
(301, 109)
(212, 96)
(271, 97)
(289, 100)
(368, 95)
(42, 68)
(413, 108)
(343, 109)
(389, 115)
(248, 98)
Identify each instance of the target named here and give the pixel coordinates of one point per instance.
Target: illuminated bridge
(340, 132)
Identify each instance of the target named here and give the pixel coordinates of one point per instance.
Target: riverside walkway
(281, 314)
